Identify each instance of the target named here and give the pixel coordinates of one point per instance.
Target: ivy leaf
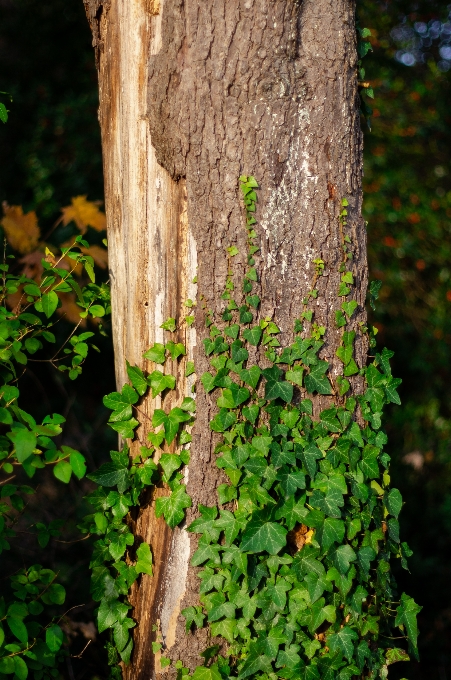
(251, 376)
(110, 474)
(144, 561)
(125, 428)
(393, 502)
(261, 535)
(251, 413)
(230, 525)
(223, 420)
(207, 673)
(342, 558)
(406, 615)
(156, 353)
(295, 375)
(173, 506)
(193, 615)
(291, 480)
(278, 592)
(343, 641)
(390, 390)
(208, 381)
(254, 663)
(169, 325)
(232, 331)
(170, 462)
(206, 551)
(331, 531)
(253, 335)
(159, 382)
(137, 379)
(349, 307)
(292, 511)
(239, 353)
(233, 396)
(175, 349)
(206, 524)
(274, 387)
(121, 402)
(316, 381)
(225, 628)
(309, 456)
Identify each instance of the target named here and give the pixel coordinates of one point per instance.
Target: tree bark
(192, 95)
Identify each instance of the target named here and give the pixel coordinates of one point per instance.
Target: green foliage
(296, 574)
(31, 639)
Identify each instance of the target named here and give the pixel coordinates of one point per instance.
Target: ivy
(295, 556)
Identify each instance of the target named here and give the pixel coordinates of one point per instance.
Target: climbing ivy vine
(295, 556)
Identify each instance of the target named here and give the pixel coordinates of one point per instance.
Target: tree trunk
(192, 95)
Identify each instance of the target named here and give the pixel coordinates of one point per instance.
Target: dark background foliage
(50, 151)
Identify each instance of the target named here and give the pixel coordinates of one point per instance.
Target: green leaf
(253, 301)
(204, 673)
(159, 382)
(24, 442)
(4, 119)
(208, 381)
(406, 615)
(169, 325)
(395, 655)
(63, 471)
(170, 462)
(175, 349)
(190, 368)
(349, 307)
(261, 535)
(251, 376)
(144, 561)
(291, 480)
(295, 375)
(223, 420)
(253, 335)
(225, 628)
(17, 628)
(110, 474)
(340, 319)
(156, 353)
(7, 665)
(393, 502)
(78, 464)
(233, 396)
(173, 506)
(49, 302)
(20, 668)
(125, 428)
(342, 558)
(332, 531)
(343, 641)
(54, 638)
(316, 381)
(137, 379)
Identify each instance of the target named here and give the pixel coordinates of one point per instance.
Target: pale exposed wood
(152, 258)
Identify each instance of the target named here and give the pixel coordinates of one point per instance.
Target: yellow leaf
(22, 231)
(85, 214)
(99, 255)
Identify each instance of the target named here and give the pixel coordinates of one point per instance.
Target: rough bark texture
(262, 87)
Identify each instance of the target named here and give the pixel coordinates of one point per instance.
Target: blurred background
(50, 153)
